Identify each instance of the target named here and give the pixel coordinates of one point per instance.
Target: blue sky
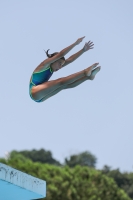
(96, 116)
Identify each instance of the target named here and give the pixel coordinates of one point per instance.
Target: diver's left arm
(88, 45)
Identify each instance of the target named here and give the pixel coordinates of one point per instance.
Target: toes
(94, 65)
(95, 71)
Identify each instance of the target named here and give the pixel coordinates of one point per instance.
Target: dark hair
(53, 54)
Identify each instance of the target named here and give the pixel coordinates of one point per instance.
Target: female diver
(41, 89)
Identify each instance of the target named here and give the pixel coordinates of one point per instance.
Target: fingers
(90, 42)
(89, 45)
(82, 38)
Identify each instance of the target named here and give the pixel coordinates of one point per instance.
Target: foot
(94, 72)
(88, 71)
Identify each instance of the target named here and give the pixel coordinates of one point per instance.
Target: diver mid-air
(41, 89)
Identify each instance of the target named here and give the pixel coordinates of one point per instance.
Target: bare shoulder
(43, 65)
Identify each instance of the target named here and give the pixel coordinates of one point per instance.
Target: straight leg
(50, 88)
(71, 85)
(43, 90)
(74, 84)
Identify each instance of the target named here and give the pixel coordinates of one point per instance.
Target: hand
(88, 45)
(79, 40)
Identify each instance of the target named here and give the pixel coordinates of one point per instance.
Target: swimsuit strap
(49, 67)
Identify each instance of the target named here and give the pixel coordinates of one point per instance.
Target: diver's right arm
(62, 52)
(67, 49)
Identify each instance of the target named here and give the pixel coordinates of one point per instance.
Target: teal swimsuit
(39, 78)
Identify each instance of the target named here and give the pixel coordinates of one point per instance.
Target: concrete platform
(16, 185)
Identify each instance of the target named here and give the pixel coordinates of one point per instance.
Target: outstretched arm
(67, 49)
(61, 53)
(87, 46)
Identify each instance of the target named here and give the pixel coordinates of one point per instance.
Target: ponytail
(53, 54)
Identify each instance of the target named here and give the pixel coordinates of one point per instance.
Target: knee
(35, 94)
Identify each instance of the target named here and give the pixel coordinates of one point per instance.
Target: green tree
(80, 182)
(83, 159)
(123, 180)
(41, 155)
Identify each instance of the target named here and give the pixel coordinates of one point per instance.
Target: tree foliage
(123, 180)
(41, 155)
(83, 159)
(80, 182)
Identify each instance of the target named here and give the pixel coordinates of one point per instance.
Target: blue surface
(17, 185)
(9, 191)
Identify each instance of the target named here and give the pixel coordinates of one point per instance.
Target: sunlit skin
(57, 65)
(50, 88)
